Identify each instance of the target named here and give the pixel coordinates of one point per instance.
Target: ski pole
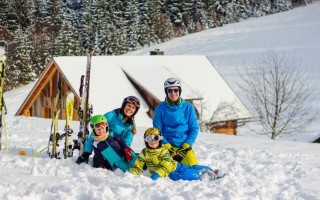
(5, 129)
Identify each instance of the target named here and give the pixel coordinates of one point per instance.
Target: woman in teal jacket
(177, 121)
(121, 120)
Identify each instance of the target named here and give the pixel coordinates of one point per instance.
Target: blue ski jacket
(112, 149)
(178, 123)
(119, 127)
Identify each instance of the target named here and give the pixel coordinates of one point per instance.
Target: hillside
(231, 47)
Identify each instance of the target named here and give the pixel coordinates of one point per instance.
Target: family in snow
(168, 151)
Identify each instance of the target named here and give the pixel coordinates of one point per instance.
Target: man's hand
(182, 152)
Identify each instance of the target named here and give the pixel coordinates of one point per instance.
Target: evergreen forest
(38, 30)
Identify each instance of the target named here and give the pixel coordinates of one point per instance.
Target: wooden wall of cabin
(227, 127)
(43, 106)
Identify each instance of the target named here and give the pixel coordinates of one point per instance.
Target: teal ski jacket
(118, 126)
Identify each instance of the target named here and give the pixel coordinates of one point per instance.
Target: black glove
(182, 152)
(83, 158)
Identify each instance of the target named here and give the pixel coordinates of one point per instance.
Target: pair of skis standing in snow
(84, 113)
(54, 136)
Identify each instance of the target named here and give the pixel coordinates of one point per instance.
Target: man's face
(173, 93)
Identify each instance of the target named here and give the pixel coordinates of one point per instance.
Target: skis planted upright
(3, 109)
(53, 136)
(68, 151)
(85, 110)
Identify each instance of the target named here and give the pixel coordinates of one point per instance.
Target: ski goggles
(150, 138)
(100, 126)
(171, 90)
(134, 101)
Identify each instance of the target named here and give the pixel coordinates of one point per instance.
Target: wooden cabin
(115, 77)
(40, 101)
(226, 127)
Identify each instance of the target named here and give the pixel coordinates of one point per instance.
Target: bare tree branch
(279, 92)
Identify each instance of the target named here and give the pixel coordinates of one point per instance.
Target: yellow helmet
(153, 131)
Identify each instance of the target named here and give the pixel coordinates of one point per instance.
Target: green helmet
(97, 119)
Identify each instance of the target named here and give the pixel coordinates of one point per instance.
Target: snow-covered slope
(229, 48)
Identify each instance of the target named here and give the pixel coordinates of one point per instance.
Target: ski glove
(127, 154)
(170, 149)
(83, 158)
(182, 152)
(154, 176)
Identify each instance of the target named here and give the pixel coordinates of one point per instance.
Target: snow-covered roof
(109, 83)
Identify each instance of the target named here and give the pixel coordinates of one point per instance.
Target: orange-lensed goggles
(100, 126)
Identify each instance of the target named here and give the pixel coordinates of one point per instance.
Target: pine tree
(4, 12)
(23, 62)
(161, 23)
(67, 43)
(213, 19)
(131, 24)
(19, 15)
(146, 35)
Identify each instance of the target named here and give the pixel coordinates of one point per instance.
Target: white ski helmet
(170, 82)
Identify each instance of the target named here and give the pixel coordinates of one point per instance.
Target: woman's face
(129, 109)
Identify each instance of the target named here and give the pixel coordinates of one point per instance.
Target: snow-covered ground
(257, 168)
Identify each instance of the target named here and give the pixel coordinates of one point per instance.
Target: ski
(55, 136)
(53, 114)
(84, 110)
(3, 109)
(80, 113)
(68, 151)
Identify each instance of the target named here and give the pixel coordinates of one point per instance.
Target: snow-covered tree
(19, 15)
(23, 61)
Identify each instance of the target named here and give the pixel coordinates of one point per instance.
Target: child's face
(100, 128)
(153, 144)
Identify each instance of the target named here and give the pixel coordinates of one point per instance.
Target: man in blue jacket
(177, 120)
